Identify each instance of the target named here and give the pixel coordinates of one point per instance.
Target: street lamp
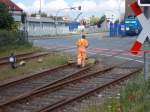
(71, 8)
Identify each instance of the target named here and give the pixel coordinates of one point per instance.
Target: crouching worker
(12, 60)
(82, 44)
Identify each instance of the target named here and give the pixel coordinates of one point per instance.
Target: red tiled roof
(11, 5)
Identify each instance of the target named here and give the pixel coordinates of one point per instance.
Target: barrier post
(146, 44)
(146, 66)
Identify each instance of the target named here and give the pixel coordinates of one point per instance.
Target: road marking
(99, 51)
(116, 57)
(129, 59)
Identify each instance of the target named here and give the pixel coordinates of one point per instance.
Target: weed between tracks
(134, 97)
(18, 50)
(33, 66)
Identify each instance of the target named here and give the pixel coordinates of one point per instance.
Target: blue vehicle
(132, 26)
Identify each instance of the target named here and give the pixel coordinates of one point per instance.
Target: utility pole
(119, 10)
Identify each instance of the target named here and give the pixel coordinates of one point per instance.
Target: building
(45, 26)
(15, 10)
(36, 26)
(128, 11)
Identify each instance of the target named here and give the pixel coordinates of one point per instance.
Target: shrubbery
(134, 97)
(12, 39)
(6, 20)
(10, 36)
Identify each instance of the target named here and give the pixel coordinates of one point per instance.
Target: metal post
(119, 9)
(26, 31)
(40, 19)
(56, 22)
(146, 13)
(146, 65)
(113, 34)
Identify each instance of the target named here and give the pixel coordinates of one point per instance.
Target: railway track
(17, 88)
(18, 55)
(58, 94)
(25, 56)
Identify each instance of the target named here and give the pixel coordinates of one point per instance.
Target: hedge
(10, 38)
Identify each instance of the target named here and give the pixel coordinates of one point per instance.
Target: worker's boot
(83, 63)
(78, 66)
(79, 63)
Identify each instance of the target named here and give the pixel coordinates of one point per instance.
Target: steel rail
(57, 85)
(68, 101)
(25, 58)
(15, 81)
(39, 89)
(18, 55)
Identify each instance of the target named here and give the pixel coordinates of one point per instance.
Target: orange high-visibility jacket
(82, 43)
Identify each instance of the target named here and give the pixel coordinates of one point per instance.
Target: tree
(117, 21)
(43, 14)
(33, 15)
(94, 20)
(101, 20)
(6, 20)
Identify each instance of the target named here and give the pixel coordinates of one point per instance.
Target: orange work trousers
(81, 56)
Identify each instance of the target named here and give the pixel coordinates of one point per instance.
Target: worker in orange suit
(82, 44)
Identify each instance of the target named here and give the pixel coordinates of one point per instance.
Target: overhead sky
(89, 7)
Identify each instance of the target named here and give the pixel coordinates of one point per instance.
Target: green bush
(12, 39)
(134, 97)
(6, 19)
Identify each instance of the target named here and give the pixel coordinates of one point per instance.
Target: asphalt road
(98, 46)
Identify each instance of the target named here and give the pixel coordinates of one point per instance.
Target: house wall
(16, 15)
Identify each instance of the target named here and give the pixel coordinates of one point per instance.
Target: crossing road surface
(99, 46)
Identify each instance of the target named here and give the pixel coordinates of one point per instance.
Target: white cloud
(101, 6)
(21, 5)
(88, 6)
(56, 4)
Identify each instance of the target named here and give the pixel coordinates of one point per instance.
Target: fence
(117, 30)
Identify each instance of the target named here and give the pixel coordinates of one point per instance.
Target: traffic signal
(79, 8)
(144, 2)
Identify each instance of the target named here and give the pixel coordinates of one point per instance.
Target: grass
(18, 50)
(33, 66)
(134, 97)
